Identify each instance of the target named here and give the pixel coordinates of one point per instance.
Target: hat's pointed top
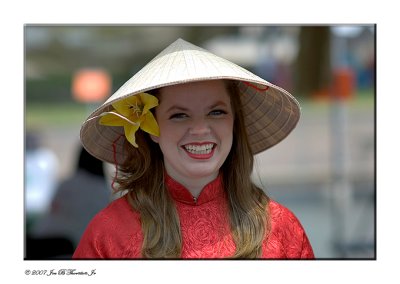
(180, 40)
(179, 43)
(178, 46)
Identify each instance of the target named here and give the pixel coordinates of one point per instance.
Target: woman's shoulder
(282, 218)
(287, 229)
(279, 212)
(118, 211)
(116, 217)
(112, 232)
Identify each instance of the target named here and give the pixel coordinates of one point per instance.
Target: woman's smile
(200, 151)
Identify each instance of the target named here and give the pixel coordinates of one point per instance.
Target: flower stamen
(137, 109)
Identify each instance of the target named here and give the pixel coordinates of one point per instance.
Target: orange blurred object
(343, 83)
(91, 85)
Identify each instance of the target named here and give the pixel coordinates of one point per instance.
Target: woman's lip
(197, 156)
(198, 143)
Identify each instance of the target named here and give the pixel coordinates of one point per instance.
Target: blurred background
(324, 171)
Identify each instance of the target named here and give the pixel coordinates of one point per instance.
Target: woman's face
(196, 126)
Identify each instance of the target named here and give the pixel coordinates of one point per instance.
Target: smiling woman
(187, 174)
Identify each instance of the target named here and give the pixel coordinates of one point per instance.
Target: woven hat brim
(270, 112)
(270, 116)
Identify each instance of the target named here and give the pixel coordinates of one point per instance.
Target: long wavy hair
(143, 177)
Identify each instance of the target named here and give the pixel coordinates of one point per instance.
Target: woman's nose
(199, 127)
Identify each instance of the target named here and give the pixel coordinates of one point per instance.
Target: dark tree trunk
(313, 69)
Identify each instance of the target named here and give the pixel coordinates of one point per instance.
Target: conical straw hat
(270, 112)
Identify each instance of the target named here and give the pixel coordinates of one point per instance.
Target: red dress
(115, 232)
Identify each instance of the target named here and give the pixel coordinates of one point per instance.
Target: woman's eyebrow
(184, 109)
(177, 108)
(218, 104)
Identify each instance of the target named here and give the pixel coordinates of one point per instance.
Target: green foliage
(51, 89)
(42, 115)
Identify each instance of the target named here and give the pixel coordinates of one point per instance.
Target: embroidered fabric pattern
(204, 222)
(116, 233)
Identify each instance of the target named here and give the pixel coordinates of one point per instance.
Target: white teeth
(199, 149)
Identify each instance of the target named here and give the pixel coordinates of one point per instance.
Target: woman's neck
(193, 184)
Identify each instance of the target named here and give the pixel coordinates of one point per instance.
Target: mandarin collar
(180, 193)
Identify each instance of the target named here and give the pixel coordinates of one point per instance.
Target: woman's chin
(202, 171)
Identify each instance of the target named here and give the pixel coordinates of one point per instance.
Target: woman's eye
(217, 112)
(178, 116)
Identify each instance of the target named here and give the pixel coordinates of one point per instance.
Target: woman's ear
(154, 138)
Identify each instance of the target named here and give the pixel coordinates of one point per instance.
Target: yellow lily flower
(133, 113)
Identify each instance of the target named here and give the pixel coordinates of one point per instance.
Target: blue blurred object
(41, 168)
(76, 201)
